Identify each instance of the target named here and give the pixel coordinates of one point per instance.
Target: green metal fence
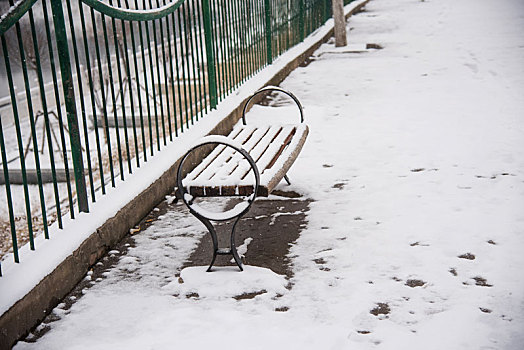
(93, 89)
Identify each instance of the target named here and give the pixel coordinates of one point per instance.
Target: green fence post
(210, 56)
(8, 193)
(269, 35)
(69, 96)
(301, 20)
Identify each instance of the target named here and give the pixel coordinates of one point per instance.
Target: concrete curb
(29, 311)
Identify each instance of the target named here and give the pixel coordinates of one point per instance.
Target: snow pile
(227, 282)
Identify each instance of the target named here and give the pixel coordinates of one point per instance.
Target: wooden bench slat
(230, 156)
(272, 176)
(218, 156)
(227, 178)
(280, 150)
(262, 147)
(257, 152)
(275, 145)
(211, 157)
(224, 172)
(204, 164)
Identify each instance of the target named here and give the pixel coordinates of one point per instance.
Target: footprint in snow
(340, 185)
(419, 244)
(467, 256)
(415, 283)
(282, 309)
(320, 261)
(482, 282)
(381, 309)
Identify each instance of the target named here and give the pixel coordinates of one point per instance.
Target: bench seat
(225, 172)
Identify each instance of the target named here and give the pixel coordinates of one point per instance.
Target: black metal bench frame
(240, 209)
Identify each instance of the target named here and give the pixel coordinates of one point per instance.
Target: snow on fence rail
(95, 89)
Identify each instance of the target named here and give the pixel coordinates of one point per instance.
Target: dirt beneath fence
(22, 232)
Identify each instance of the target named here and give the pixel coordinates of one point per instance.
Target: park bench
(266, 151)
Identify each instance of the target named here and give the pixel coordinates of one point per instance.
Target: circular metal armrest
(241, 208)
(273, 88)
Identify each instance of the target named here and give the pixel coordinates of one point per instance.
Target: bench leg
(222, 251)
(214, 238)
(234, 247)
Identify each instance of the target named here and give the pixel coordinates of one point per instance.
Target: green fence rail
(93, 89)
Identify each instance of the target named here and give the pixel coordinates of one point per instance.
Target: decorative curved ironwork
(206, 218)
(268, 89)
(134, 15)
(20, 8)
(14, 14)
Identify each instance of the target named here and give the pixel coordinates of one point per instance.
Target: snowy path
(415, 164)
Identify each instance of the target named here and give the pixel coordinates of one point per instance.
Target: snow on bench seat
(225, 172)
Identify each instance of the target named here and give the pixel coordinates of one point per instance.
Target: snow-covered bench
(266, 151)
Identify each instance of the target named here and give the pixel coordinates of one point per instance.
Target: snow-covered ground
(414, 162)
